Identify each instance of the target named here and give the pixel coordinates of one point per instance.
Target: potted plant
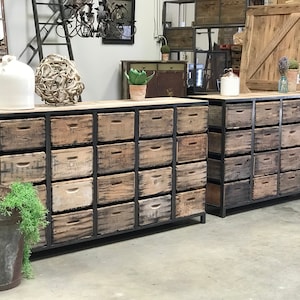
(20, 208)
(292, 74)
(137, 81)
(165, 52)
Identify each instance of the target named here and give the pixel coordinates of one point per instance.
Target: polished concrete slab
(250, 255)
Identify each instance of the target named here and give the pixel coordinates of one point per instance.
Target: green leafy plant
(136, 77)
(23, 198)
(165, 49)
(293, 64)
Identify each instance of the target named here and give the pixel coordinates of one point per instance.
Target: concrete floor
(250, 255)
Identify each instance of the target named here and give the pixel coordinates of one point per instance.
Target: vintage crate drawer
(235, 168)
(190, 203)
(264, 186)
(43, 241)
(191, 147)
(156, 181)
(236, 193)
(154, 210)
(156, 152)
(290, 182)
(72, 226)
(266, 163)
(71, 130)
(115, 188)
(180, 38)
(171, 67)
(266, 138)
(192, 119)
(290, 135)
(42, 193)
(236, 142)
(23, 167)
(21, 134)
(267, 113)
(156, 123)
(115, 157)
(72, 163)
(191, 176)
(290, 159)
(144, 66)
(72, 194)
(116, 218)
(291, 111)
(237, 115)
(115, 126)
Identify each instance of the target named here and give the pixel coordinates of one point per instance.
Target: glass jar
(283, 84)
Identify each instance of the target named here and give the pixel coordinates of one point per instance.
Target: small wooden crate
(71, 130)
(116, 157)
(156, 152)
(21, 134)
(266, 163)
(267, 113)
(115, 126)
(290, 135)
(156, 181)
(290, 159)
(72, 226)
(115, 188)
(191, 176)
(192, 119)
(264, 186)
(291, 111)
(29, 167)
(266, 138)
(72, 163)
(72, 194)
(180, 38)
(116, 218)
(154, 210)
(290, 182)
(156, 123)
(190, 203)
(191, 147)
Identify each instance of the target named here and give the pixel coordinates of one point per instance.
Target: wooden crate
(267, 113)
(72, 226)
(190, 203)
(115, 188)
(264, 186)
(156, 181)
(180, 38)
(290, 159)
(270, 35)
(289, 182)
(116, 157)
(116, 218)
(156, 122)
(235, 168)
(115, 126)
(191, 176)
(156, 152)
(71, 130)
(23, 167)
(154, 210)
(191, 147)
(290, 136)
(192, 119)
(291, 111)
(266, 138)
(266, 163)
(72, 163)
(21, 134)
(72, 194)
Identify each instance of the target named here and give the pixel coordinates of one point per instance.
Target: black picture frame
(122, 27)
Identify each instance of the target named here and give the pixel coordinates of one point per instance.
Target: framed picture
(122, 26)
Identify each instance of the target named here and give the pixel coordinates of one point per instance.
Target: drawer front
(290, 135)
(290, 159)
(154, 210)
(152, 182)
(266, 163)
(116, 218)
(115, 126)
(266, 138)
(156, 152)
(116, 157)
(143, 66)
(72, 226)
(264, 186)
(115, 188)
(190, 203)
(171, 67)
(291, 111)
(72, 194)
(191, 176)
(42, 193)
(192, 119)
(72, 163)
(156, 123)
(191, 148)
(267, 113)
(71, 130)
(21, 134)
(23, 167)
(290, 182)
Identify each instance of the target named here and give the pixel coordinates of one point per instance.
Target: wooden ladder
(3, 33)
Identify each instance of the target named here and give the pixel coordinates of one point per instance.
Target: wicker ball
(57, 81)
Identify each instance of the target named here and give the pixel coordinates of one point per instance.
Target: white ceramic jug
(16, 84)
(230, 84)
